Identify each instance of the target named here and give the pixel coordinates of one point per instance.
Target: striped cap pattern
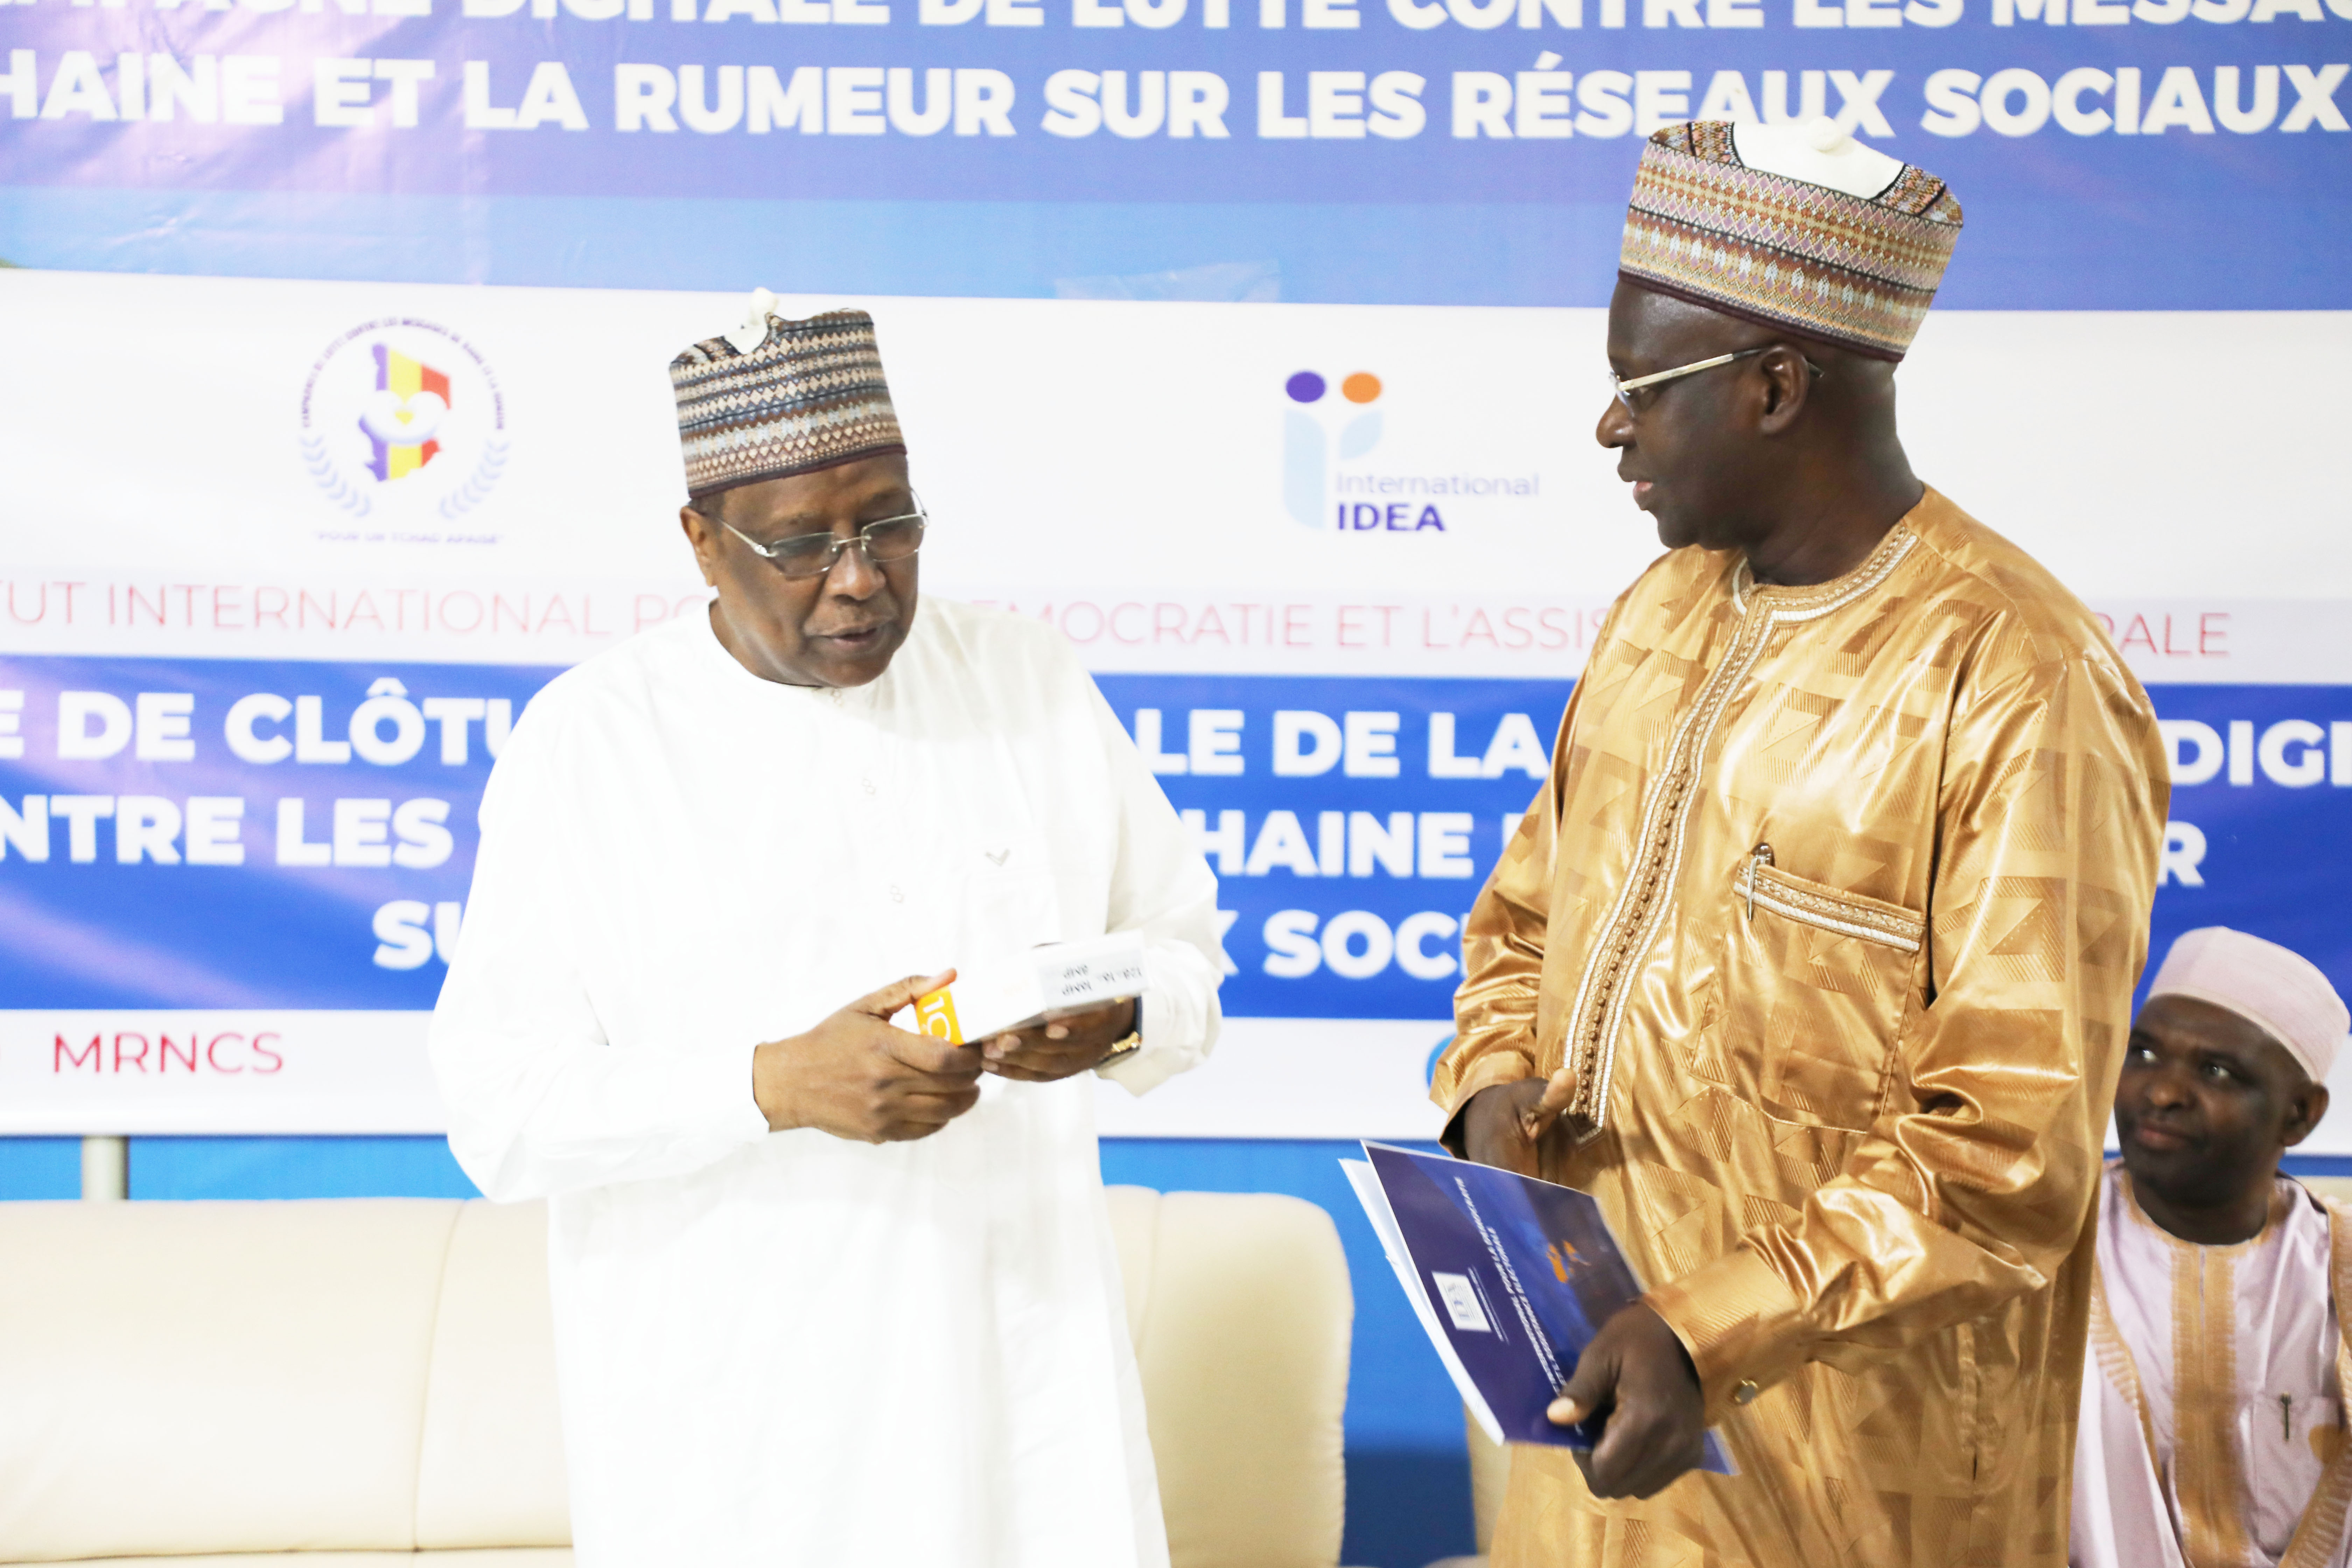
(1856, 271)
(811, 397)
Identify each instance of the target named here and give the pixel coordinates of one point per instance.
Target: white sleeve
(539, 1100)
(1162, 887)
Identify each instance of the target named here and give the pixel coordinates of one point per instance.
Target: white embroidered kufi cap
(2274, 987)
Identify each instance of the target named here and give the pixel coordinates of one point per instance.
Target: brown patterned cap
(809, 395)
(1856, 271)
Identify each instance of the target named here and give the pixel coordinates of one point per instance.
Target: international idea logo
(1324, 424)
(1338, 475)
(403, 422)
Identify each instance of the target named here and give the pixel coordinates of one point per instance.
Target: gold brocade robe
(1835, 897)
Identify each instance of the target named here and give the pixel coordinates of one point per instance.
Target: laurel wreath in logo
(342, 485)
(479, 483)
(323, 474)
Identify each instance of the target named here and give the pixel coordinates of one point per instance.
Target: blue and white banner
(286, 557)
(225, 878)
(2110, 153)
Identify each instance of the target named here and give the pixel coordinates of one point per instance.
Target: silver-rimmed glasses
(1619, 386)
(884, 541)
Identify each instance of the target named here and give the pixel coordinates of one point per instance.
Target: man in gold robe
(1813, 960)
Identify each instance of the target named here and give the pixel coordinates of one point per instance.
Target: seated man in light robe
(826, 1292)
(2213, 1426)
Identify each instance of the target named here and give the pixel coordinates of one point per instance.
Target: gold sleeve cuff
(1739, 1322)
(1452, 1092)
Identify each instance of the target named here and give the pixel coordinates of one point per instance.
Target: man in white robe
(826, 1292)
(2212, 1423)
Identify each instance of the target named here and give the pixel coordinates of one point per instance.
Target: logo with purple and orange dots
(1307, 386)
(1319, 428)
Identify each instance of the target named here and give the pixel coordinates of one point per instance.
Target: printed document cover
(1510, 1276)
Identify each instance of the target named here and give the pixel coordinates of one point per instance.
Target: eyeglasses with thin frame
(803, 555)
(1619, 386)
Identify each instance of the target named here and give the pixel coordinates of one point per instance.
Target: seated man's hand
(1062, 1048)
(1502, 1125)
(856, 1075)
(1636, 1375)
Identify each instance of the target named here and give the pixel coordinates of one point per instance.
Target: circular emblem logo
(402, 420)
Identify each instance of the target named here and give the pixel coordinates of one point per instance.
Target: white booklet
(997, 995)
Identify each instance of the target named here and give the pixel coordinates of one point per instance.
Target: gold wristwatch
(1122, 1048)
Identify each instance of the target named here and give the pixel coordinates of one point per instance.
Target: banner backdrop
(1336, 568)
(1441, 152)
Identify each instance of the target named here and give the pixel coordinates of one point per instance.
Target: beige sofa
(357, 1379)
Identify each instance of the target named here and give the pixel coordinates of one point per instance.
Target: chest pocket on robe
(1811, 985)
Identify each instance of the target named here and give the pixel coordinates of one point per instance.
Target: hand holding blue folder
(1511, 1277)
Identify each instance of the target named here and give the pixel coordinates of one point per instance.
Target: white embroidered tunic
(2212, 1419)
(789, 1347)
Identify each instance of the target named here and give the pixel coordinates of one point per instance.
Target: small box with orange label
(995, 997)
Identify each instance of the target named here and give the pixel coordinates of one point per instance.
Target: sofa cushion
(490, 1472)
(214, 1377)
(495, 1557)
(1244, 1315)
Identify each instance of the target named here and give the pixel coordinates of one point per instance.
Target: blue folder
(1511, 1277)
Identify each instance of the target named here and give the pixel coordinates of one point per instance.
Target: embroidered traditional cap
(2274, 987)
(1795, 227)
(776, 397)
